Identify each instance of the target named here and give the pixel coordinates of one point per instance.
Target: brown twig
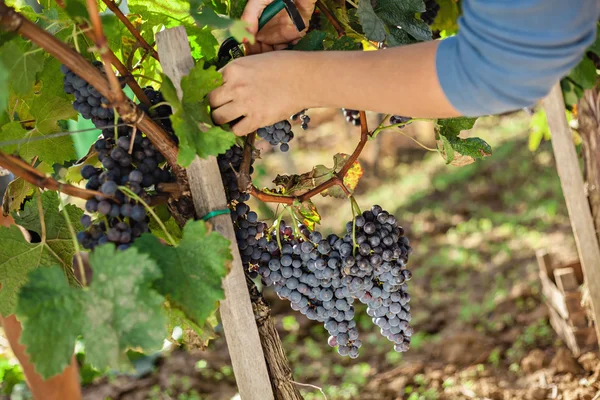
(332, 19)
(23, 170)
(338, 179)
(117, 11)
(12, 21)
(244, 180)
(118, 96)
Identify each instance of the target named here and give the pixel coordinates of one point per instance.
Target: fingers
(252, 12)
(219, 97)
(257, 48)
(243, 127)
(227, 113)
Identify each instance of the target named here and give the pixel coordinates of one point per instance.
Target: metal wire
(65, 133)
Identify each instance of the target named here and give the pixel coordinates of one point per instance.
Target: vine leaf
(76, 9)
(451, 127)
(393, 21)
(118, 311)
(313, 41)
(4, 78)
(206, 16)
(192, 271)
(18, 257)
(344, 43)
(191, 116)
(584, 74)
(373, 26)
(122, 309)
(51, 313)
(308, 213)
(16, 193)
(350, 180)
(23, 62)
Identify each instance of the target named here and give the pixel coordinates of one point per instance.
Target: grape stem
(243, 176)
(337, 179)
(136, 34)
(12, 21)
(331, 18)
(25, 171)
(401, 125)
(75, 241)
(137, 198)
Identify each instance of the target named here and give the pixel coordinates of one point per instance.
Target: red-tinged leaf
(351, 178)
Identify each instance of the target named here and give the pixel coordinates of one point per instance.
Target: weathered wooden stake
(569, 171)
(240, 328)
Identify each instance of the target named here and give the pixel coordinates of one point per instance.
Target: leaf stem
(134, 196)
(75, 241)
(40, 207)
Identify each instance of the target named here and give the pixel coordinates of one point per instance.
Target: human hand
(280, 31)
(263, 89)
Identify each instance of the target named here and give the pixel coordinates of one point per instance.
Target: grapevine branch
(337, 179)
(129, 79)
(12, 21)
(332, 19)
(142, 42)
(243, 177)
(23, 170)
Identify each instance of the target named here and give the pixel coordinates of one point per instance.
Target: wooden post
(241, 333)
(567, 164)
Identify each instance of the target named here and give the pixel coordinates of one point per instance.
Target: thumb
(252, 12)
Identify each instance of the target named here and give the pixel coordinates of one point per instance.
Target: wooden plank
(554, 298)
(569, 171)
(576, 265)
(565, 332)
(545, 263)
(240, 328)
(565, 280)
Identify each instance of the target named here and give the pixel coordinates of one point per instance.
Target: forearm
(401, 81)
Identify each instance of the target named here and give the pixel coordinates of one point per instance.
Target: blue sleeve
(508, 54)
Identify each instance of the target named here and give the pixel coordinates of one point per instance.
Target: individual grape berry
(352, 116)
(431, 10)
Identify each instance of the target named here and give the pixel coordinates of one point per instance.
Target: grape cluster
(398, 119)
(352, 116)
(88, 101)
(303, 117)
(431, 11)
(279, 133)
(229, 165)
(128, 160)
(322, 277)
(159, 113)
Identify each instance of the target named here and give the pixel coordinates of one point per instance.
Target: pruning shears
(231, 48)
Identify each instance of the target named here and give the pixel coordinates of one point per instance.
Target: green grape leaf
(539, 129)
(313, 41)
(373, 25)
(20, 257)
(206, 16)
(193, 271)
(46, 110)
(571, 92)
(191, 116)
(172, 227)
(464, 151)
(51, 313)
(446, 149)
(122, 309)
(451, 127)
(193, 336)
(344, 43)
(236, 8)
(16, 193)
(447, 17)
(76, 9)
(4, 77)
(24, 62)
(584, 74)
